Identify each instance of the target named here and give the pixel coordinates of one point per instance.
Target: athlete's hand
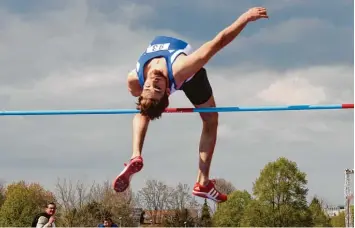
(256, 13)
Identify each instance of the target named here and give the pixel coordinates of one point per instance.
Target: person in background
(107, 222)
(46, 218)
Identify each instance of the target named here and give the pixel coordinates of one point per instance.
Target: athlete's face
(155, 86)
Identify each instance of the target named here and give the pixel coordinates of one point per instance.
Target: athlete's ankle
(136, 154)
(203, 181)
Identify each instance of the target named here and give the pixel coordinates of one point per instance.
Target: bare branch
(224, 186)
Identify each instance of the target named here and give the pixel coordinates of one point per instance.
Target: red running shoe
(121, 183)
(209, 192)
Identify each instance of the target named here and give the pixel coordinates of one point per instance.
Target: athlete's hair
(152, 108)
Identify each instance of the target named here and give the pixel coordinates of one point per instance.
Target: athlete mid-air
(170, 64)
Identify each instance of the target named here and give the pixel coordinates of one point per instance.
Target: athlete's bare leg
(140, 127)
(207, 141)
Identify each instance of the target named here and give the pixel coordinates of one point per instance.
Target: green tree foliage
(23, 201)
(255, 214)
(319, 218)
(205, 218)
(231, 212)
(339, 220)
(281, 197)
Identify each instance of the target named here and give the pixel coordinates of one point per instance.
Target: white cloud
(255, 86)
(292, 90)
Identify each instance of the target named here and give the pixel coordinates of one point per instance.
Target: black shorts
(198, 90)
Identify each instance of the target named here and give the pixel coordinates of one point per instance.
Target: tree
(255, 214)
(83, 205)
(339, 220)
(120, 205)
(71, 201)
(182, 207)
(155, 197)
(179, 218)
(141, 219)
(205, 219)
(23, 201)
(164, 204)
(224, 186)
(319, 218)
(181, 198)
(231, 212)
(2, 194)
(281, 193)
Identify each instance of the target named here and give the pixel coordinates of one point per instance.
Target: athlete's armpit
(133, 84)
(186, 66)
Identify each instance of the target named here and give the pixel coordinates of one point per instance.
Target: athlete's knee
(210, 120)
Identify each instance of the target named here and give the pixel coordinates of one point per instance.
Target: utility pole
(348, 195)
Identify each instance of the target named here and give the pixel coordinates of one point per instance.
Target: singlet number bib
(158, 47)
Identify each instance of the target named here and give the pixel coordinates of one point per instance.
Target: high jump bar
(179, 110)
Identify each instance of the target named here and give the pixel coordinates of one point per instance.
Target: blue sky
(76, 54)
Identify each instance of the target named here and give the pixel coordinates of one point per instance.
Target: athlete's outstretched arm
(140, 127)
(140, 122)
(189, 65)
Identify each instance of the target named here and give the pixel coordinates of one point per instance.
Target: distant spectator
(108, 223)
(45, 219)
